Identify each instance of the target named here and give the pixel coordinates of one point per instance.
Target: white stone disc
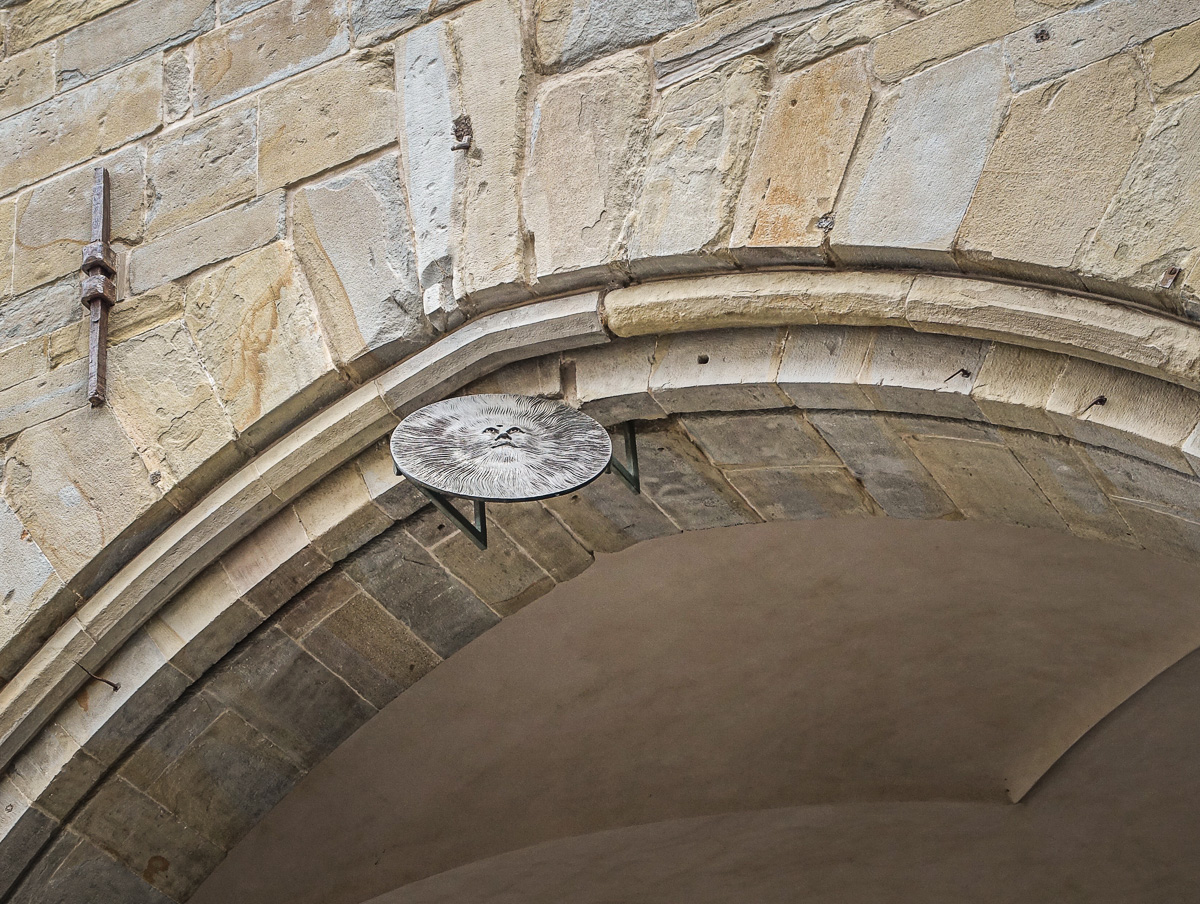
(501, 448)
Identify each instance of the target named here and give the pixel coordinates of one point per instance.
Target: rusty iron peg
(99, 292)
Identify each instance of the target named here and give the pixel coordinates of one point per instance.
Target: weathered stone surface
(604, 109)
(402, 576)
(54, 772)
(177, 86)
(607, 517)
(718, 371)
(848, 26)
(795, 494)
(201, 169)
(571, 32)
(918, 373)
(275, 42)
(303, 127)
(804, 144)
(759, 440)
(543, 538)
(54, 219)
(917, 165)
(129, 33)
(165, 402)
(1125, 477)
(1082, 36)
(231, 9)
(1014, 386)
(1174, 63)
(1155, 221)
(943, 35)
(698, 152)
(257, 333)
(38, 312)
(1056, 164)
(612, 384)
(353, 239)
(38, 20)
(393, 494)
(213, 239)
(29, 588)
(820, 367)
(8, 212)
(23, 830)
(533, 376)
(887, 468)
(132, 317)
(73, 869)
(81, 124)
(274, 563)
(339, 515)
(26, 79)
(76, 482)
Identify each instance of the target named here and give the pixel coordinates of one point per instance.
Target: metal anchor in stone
(99, 292)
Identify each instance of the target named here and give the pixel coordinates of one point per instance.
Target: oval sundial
(501, 448)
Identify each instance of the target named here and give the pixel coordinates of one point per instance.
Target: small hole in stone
(441, 527)
(793, 103)
(1042, 35)
(702, 359)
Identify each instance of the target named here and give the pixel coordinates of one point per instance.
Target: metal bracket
(629, 473)
(477, 531)
(98, 292)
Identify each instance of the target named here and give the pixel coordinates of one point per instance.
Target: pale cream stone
(699, 150)
(23, 362)
(1014, 386)
(177, 85)
(943, 35)
(8, 214)
(202, 168)
(256, 328)
(587, 151)
(54, 219)
(571, 32)
(339, 515)
(132, 317)
(612, 383)
(1175, 63)
(821, 364)
(26, 79)
(718, 371)
(804, 144)
(838, 29)
(38, 20)
(43, 396)
(1056, 165)
(533, 377)
(325, 117)
(80, 124)
(918, 373)
(273, 43)
(30, 589)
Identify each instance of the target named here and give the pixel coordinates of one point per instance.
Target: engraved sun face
(501, 447)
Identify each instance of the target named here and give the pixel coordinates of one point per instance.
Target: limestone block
(684, 484)
(54, 772)
(533, 376)
(934, 130)
(130, 318)
(212, 240)
(1123, 477)
(33, 602)
(231, 9)
(1082, 36)
(177, 86)
(586, 154)
(699, 150)
(571, 32)
(303, 126)
(543, 538)
(796, 494)
(1174, 63)
(1067, 481)
(839, 29)
(338, 514)
(54, 219)
(78, 484)
(820, 367)
(287, 695)
(147, 838)
(73, 868)
(81, 124)
(1162, 532)
(38, 312)
(273, 43)
(393, 494)
(256, 329)
(203, 168)
(40, 398)
(1014, 386)
(374, 21)
(170, 738)
(1154, 223)
(886, 467)
(129, 33)
(718, 371)
(607, 516)
(766, 439)
(274, 563)
(353, 240)
(26, 79)
(22, 362)
(1141, 416)
(918, 373)
(943, 35)
(502, 575)
(410, 584)
(164, 400)
(804, 145)
(8, 212)
(241, 774)
(1056, 165)
(612, 383)
(38, 20)
(23, 831)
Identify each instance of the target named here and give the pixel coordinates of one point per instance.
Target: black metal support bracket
(477, 531)
(630, 473)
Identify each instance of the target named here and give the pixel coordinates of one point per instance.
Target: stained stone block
(54, 220)
(81, 124)
(177, 86)
(73, 869)
(170, 738)
(1145, 482)
(934, 130)
(231, 9)
(130, 33)
(571, 32)
(131, 317)
(277, 41)
(699, 150)
(26, 79)
(37, 20)
(719, 371)
(302, 124)
(887, 468)
(203, 168)
(839, 29)
(339, 515)
(608, 517)
(284, 693)
(1162, 532)
(1056, 166)
(377, 20)
(353, 240)
(804, 145)
(918, 373)
(402, 576)
(759, 440)
(820, 367)
(37, 313)
(1174, 63)
(533, 377)
(796, 494)
(23, 830)
(543, 538)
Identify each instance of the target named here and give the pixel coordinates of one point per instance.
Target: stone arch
(933, 367)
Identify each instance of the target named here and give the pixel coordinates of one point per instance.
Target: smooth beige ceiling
(828, 711)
